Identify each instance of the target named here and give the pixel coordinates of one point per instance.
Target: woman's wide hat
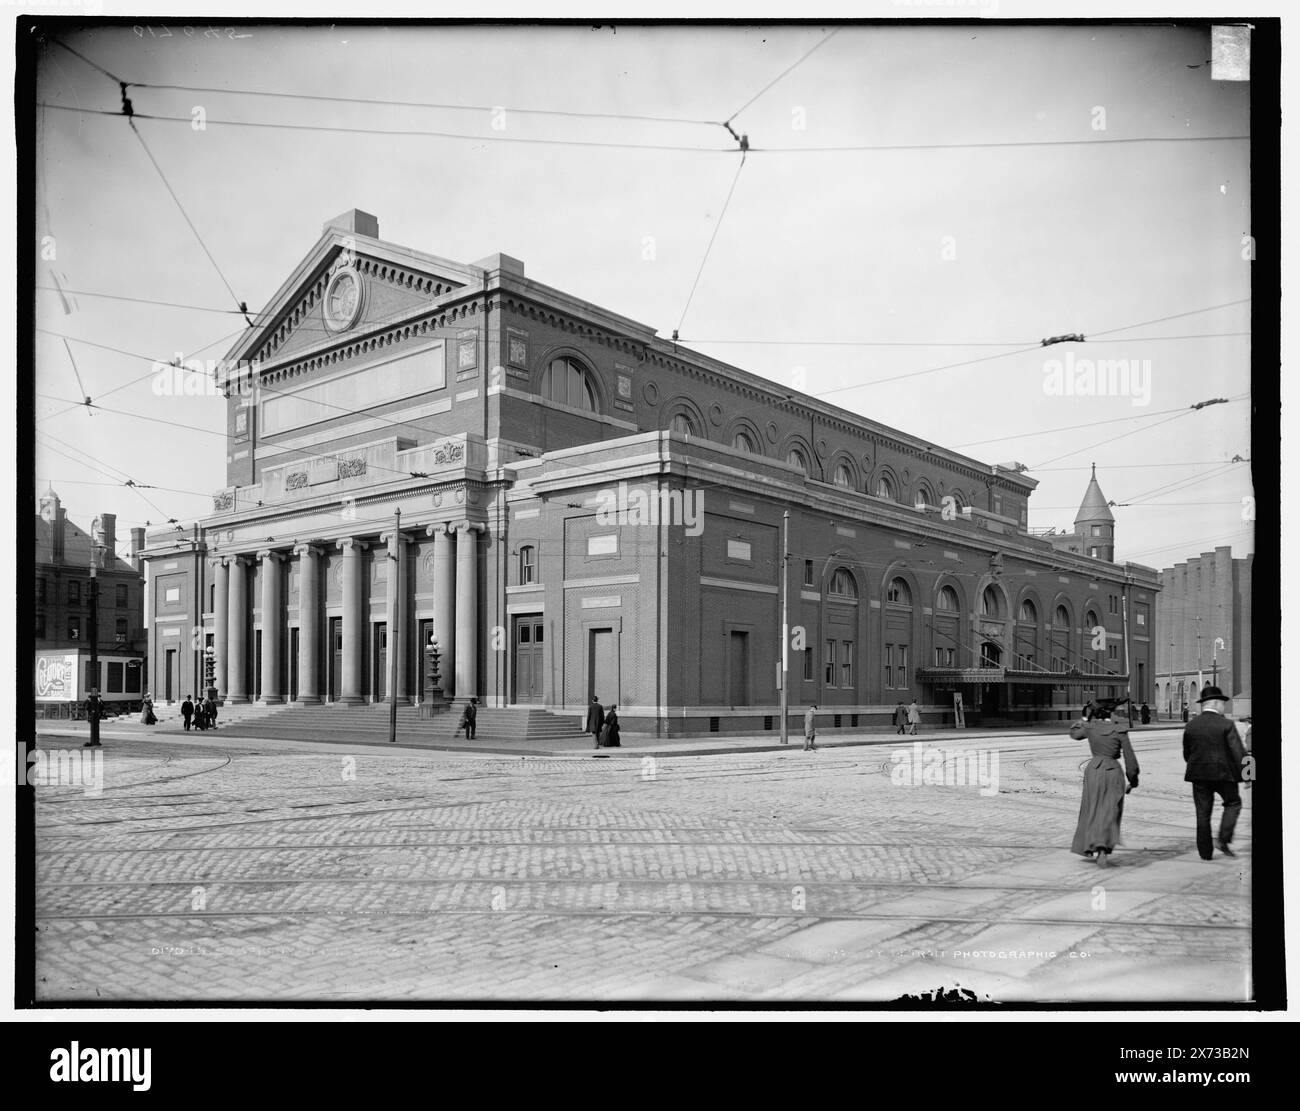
(1211, 693)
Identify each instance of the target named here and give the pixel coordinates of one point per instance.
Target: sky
(857, 275)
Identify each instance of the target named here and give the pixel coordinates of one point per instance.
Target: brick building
(587, 507)
(1204, 601)
(62, 614)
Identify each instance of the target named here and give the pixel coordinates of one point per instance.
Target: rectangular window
(1096, 530)
(739, 549)
(808, 664)
(889, 665)
(952, 657)
(121, 630)
(121, 596)
(1141, 618)
(1093, 553)
(114, 683)
(74, 592)
(846, 666)
(604, 544)
(1112, 651)
(527, 569)
(808, 579)
(74, 628)
(172, 594)
(830, 663)
(901, 675)
(133, 671)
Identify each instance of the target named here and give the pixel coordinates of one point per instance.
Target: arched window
(1062, 617)
(958, 502)
(743, 441)
(1091, 622)
(1028, 612)
(885, 487)
(682, 423)
(947, 600)
(796, 458)
(568, 382)
(843, 584)
(990, 603)
(924, 496)
(844, 476)
(899, 593)
(990, 655)
(527, 565)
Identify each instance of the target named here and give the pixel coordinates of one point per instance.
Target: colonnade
(456, 615)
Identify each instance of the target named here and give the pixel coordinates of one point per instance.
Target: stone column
(308, 622)
(444, 602)
(398, 611)
(467, 609)
(221, 633)
(354, 622)
(272, 623)
(237, 632)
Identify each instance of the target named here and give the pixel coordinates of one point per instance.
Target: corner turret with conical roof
(1094, 524)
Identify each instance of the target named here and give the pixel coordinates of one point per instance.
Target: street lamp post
(93, 695)
(785, 630)
(1214, 665)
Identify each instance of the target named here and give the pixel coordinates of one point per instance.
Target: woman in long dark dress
(1102, 806)
(609, 731)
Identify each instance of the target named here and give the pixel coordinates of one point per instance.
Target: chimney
(137, 546)
(354, 222)
(108, 532)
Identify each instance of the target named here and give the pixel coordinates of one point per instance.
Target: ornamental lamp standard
(1214, 660)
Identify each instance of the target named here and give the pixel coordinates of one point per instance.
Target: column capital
(351, 543)
(387, 537)
(307, 549)
(217, 561)
(272, 554)
(469, 526)
(440, 528)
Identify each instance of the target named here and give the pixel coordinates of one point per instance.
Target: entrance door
(293, 664)
(380, 656)
(602, 666)
(336, 656)
(170, 679)
(738, 667)
(529, 645)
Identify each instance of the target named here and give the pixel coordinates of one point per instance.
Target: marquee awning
(1007, 675)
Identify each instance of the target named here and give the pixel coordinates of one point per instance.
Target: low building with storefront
(587, 508)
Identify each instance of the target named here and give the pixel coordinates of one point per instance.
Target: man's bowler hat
(1210, 693)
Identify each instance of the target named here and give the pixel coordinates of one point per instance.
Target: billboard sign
(56, 677)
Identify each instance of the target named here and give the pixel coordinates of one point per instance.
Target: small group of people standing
(603, 724)
(1212, 750)
(202, 713)
(907, 718)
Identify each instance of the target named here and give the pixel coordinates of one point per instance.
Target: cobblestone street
(239, 871)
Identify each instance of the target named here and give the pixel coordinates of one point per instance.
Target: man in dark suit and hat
(595, 720)
(1214, 755)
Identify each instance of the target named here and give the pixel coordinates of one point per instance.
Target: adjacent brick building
(1204, 600)
(587, 507)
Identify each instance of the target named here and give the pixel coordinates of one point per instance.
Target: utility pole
(1200, 673)
(394, 622)
(1218, 643)
(95, 702)
(785, 628)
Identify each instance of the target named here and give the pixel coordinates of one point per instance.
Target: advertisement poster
(56, 677)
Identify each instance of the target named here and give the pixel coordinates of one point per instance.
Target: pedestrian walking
(187, 711)
(146, 711)
(1145, 714)
(810, 729)
(94, 712)
(1102, 806)
(609, 733)
(471, 719)
(1214, 754)
(1184, 715)
(913, 717)
(210, 705)
(595, 720)
(900, 717)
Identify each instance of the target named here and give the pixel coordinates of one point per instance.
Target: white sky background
(815, 246)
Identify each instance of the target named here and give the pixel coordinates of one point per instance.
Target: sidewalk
(634, 745)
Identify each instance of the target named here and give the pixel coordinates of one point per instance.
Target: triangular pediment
(348, 285)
